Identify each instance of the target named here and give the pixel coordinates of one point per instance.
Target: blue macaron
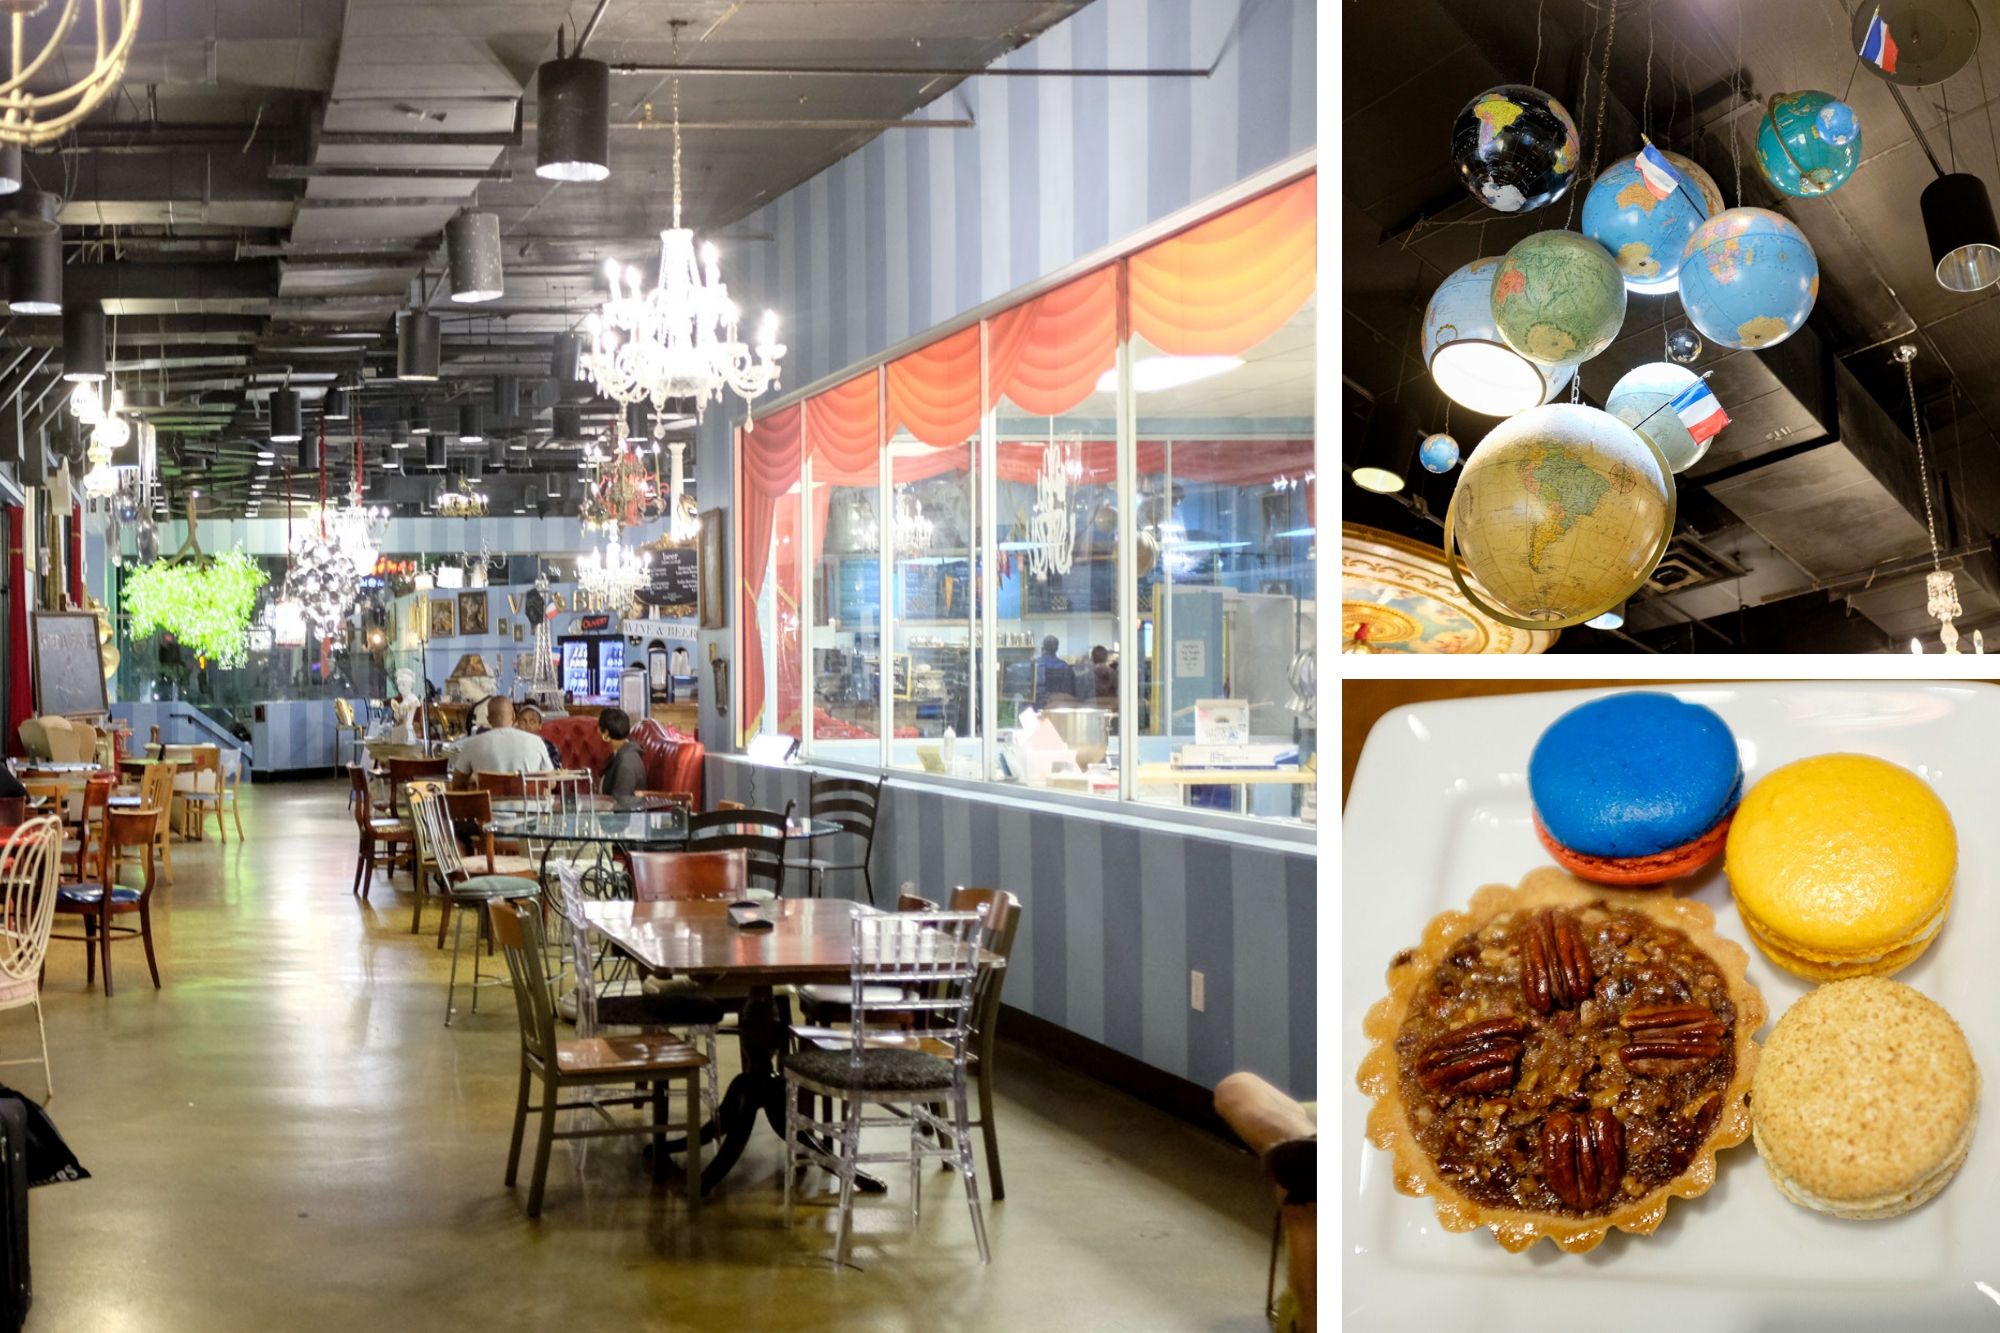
(1634, 775)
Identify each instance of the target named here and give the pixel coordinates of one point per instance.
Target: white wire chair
(30, 864)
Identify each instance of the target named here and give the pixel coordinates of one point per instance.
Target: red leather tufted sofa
(674, 761)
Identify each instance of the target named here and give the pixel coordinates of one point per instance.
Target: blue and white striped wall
(286, 736)
(1117, 913)
(440, 537)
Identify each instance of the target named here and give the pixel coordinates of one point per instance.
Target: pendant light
(308, 451)
(10, 168)
(34, 274)
(1470, 362)
(468, 424)
(639, 424)
(417, 345)
(1610, 618)
(399, 433)
(572, 118)
(568, 420)
(472, 246)
(29, 212)
(1958, 220)
(286, 425)
(334, 407)
(434, 449)
(83, 342)
(1388, 447)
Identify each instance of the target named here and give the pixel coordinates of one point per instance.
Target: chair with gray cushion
(438, 851)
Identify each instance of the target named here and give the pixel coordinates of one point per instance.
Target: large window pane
(933, 445)
(1222, 373)
(1051, 370)
(843, 448)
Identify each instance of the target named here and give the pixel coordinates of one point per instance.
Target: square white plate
(1440, 806)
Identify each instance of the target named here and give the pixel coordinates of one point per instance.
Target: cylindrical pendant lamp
(308, 452)
(83, 343)
(573, 120)
(1388, 447)
(1965, 241)
(639, 423)
(468, 424)
(472, 245)
(10, 168)
(434, 450)
(417, 345)
(334, 407)
(286, 424)
(34, 274)
(399, 433)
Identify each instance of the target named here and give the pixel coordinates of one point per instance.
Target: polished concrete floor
(287, 1137)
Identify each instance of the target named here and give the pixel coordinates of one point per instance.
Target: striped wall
(180, 723)
(1117, 912)
(286, 736)
(444, 537)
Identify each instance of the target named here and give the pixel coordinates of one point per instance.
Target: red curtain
(770, 460)
(1224, 285)
(20, 689)
(843, 436)
(934, 391)
(1046, 355)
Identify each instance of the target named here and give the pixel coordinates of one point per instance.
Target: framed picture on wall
(500, 627)
(472, 612)
(413, 624)
(519, 631)
(442, 618)
(714, 599)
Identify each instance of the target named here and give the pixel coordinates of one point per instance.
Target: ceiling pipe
(901, 71)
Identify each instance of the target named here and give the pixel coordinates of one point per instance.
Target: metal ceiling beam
(294, 171)
(899, 71)
(419, 139)
(830, 124)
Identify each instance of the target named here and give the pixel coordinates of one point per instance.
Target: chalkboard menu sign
(676, 583)
(69, 674)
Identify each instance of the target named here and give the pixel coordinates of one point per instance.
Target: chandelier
(680, 339)
(323, 582)
(624, 495)
(110, 431)
(1940, 585)
(609, 577)
(28, 117)
(1051, 522)
(912, 528)
(467, 503)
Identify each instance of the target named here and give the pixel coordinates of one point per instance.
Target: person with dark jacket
(1053, 676)
(625, 771)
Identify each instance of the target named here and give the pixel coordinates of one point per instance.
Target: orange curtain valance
(843, 437)
(1222, 287)
(934, 391)
(1046, 355)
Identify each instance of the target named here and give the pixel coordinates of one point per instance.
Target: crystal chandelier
(467, 503)
(680, 339)
(1051, 522)
(323, 582)
(609, 577)
(1940, 586)
(110, 431)
(912, 527)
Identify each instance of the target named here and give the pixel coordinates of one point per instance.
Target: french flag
(1878, 48)
(1700, 411)
(1660, 177)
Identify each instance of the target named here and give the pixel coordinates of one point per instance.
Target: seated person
(501, 748)
(1055, 679)
(529, 719)
(625, 771)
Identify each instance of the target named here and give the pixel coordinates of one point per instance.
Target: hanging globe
(1515, 148)
(1438, 453)
(1794, 150)
(1684, 346)
(1466, 356)
(1558, 298)
(1640, 399)
(1645, 233)
(1560, 513)
(1748, 278)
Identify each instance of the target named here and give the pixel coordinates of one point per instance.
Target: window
(843, 460)
(1222, 375)
(1052, 377)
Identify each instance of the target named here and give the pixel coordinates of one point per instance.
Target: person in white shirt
(501, 748)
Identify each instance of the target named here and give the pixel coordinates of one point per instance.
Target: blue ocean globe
(1644, 233)
(1438, 453)
(1795, 151)
(1748, 278)
(1515, 148)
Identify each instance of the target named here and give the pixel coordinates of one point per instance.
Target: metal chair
(758, 834)
(851, 804)
(654, 1063)
(931, 960)
(30, 864)
(462, 889)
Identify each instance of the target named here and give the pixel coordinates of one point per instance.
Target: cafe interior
(660, 664)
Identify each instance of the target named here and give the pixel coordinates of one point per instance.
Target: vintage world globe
(1748, 278)
(1559, 514)
(1796, 150)
(1466, 356)
(1644, 233)
(1438, 453)
(1558, 298)
(1640, 399)
(1515, 148)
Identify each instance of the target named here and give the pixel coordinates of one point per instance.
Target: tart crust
(1389, 1127)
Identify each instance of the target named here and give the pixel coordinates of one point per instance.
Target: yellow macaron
(1842, 865)
(1866, 1095)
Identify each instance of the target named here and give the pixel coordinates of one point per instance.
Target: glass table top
(636, 827)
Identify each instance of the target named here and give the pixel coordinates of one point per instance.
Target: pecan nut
(1555, 963)
(1478, 1057)
(1583, 1157)
(1664, 1039)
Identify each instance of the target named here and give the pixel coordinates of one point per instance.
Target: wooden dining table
(810, 939)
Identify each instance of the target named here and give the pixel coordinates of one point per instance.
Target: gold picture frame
(472, 612)
(714, 586)
(444, 620)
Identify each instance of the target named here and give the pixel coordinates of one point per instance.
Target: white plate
(1439, 807)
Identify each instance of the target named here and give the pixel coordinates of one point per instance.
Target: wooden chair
(654, 1064)
(684, 876)
(504, 785)
(375, 831)
(731, 805)
(100, 902)
(679, 800)
(1284, 1134)
(438, 847)
(52, 791)
(404, 771)
(30, 864)
(1003, 922)
(850, 805)
(156, 792)
(471, 812)
(90, 827)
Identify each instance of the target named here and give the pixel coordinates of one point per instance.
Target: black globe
(1515, 148)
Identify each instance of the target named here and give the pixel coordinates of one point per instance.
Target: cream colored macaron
(1865, 1099)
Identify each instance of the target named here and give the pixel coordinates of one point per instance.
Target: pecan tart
(1558, 1060)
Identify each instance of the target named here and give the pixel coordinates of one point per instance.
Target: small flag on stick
(1878, 48)
(1700, 411)
(1658, 173)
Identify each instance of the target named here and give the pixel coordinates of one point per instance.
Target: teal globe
(1558, 299)
(1808, 144)
(1646, 234)
(1748, 278)
(1438, 453)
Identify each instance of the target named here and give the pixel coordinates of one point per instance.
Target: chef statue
(405, 706)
